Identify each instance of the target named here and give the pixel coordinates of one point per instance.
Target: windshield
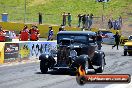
(130, 38)
(76, 38)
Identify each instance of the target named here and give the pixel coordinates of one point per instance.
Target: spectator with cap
(34, 33)
(26, 28)
(24, 34)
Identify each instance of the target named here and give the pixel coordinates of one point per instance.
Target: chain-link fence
(24, 15)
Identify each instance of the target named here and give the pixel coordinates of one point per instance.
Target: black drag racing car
(74, 49)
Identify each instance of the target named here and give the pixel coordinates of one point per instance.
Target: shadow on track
(63, 72)
(59, 72)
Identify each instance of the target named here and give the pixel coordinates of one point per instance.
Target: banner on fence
(11, 51)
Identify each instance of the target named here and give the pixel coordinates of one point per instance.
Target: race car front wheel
(125, 53)
(44, 67)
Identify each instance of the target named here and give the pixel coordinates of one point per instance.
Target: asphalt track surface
(29, 75)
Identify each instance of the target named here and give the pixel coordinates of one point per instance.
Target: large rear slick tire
(83, 65)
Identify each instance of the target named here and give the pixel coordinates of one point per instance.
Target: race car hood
(129, 43)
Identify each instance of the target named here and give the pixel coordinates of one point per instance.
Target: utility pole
(103, 9)
(25, 11)
(103, 6)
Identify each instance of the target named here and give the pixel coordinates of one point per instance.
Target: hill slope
(52, 9)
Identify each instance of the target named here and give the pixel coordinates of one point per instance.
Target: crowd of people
(98, 38)
(68, 17)
(85, 20)
(115, 24)
(51, 32)
(32, 33)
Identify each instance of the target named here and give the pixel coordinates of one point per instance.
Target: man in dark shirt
(64, 19)
(79, 19)
(99, 40)
(117, 40)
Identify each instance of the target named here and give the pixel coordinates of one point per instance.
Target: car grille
(63, 56)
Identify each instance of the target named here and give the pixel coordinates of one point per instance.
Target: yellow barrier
(2, 44)
(42, 28)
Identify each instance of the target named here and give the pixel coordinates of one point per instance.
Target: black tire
(101, 68)
(43, 67)
(130, 53)
(84, 67)
(125, 53)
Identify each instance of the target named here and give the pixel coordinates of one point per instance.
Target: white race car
(108, 37)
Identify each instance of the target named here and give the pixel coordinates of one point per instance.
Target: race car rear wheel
(125, 53)
(43, 67)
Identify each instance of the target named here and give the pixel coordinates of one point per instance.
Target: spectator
(50, 34)
(24, 34)
(64, 19)
(40, 18)
(120, 20)
(90, 21)
(34, 33)
(79, 19)
(110, 24)
(87, 21)
(69, 19)
(1, 31)
(115, 25)
(62, 28)
(117, 40)
(118, 25)
(13, 35)
(84, 20)
(25, 29)
(34, 29)
(99, 40)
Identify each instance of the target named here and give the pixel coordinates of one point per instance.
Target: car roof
(77, 32)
